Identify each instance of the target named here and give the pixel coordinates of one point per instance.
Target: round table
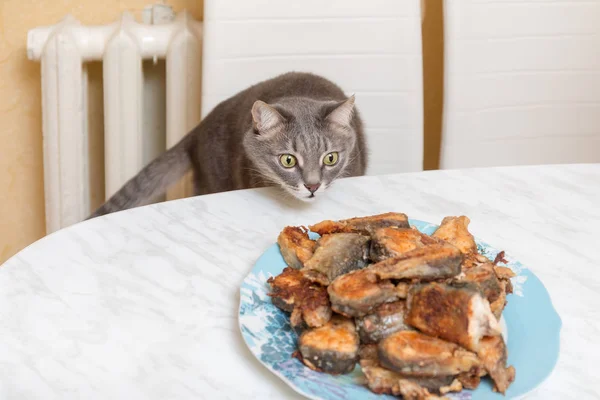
(143, 304)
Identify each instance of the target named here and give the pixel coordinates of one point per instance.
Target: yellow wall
(22, 219)
(433, 80)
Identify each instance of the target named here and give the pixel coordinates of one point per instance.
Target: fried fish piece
(338, 254)
(383, 381)
(454, 312)
(500, 258)
(436, 261)
(454, 230)
(332, 348)
(287, 288)
(484, 276)
(359, 292)
(364, 225)
(504, 273)
(412, 353)
(410, 390)
(499, 304)
(295, 246)
(493, 354)
(367, 355)
(454, 386)
(473, 259)
(384, 320)
(308, 302)
(402, 289)
(393, 242)
(471, 380)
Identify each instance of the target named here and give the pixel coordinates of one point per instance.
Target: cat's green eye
(287, 160)
(331, 158)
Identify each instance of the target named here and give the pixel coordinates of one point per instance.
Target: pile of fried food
(419, 313)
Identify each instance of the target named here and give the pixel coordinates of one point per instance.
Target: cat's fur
(239, 143)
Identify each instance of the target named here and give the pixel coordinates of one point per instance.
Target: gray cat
(297, 131)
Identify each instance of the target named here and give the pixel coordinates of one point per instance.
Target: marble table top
(143, 304)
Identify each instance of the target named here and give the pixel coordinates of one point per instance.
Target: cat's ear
(342, 113)
(265, 118)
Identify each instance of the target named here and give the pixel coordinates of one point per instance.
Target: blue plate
(531, 323)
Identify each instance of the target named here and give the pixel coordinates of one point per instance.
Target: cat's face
(301, 145)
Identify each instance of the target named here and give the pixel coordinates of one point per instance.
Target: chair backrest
(522, 83)
(370, 48)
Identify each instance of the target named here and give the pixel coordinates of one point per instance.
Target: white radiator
(63, 50)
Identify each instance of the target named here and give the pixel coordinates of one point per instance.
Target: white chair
(522, 83)
(371, 48)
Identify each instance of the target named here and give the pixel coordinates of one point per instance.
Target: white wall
(370, 48)
(522, 82)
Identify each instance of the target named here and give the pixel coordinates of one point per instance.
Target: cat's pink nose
(313, 188)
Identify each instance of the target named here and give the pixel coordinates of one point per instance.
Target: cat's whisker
(262, 175)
